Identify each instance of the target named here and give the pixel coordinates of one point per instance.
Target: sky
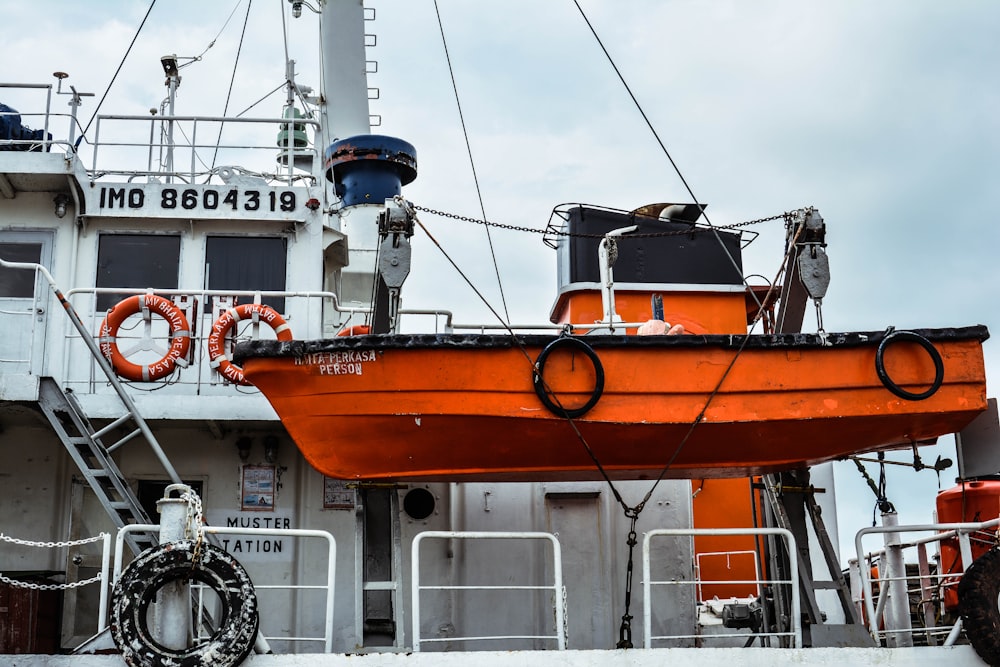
(884, 115)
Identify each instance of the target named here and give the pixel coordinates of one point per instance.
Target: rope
(472, 162)
(663, 147)
(120, 65)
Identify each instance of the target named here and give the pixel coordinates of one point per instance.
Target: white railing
(304, 315)
(882, 590)
(556, 587)
(147, 140)
(329, 586)
(794, 634)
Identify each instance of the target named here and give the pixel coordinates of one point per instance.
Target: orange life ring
(220, 328)
(180, 337)
(356, 330)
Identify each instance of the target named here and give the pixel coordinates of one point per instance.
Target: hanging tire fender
(893, 336)
(542, 389)
(154, 568)
(978, 595)
(180, 337)
(217, 356)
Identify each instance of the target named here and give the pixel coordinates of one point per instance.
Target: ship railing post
(897, 622)
(173, 608)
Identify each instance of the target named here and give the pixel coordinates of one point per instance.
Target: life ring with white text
(147, 304)
(220, 329)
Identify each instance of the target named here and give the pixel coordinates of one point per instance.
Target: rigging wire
(232, 80)
(472, 162)
(120, 65)
(279, 87)
(222, 30)
(659, 141)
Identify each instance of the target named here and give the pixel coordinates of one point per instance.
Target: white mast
(345, 84)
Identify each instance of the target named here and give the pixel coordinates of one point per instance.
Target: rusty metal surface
(295, 348)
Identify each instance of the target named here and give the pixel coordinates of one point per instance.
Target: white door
(23, 300)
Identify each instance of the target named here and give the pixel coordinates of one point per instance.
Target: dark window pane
(138, 261)
(19, 282)
(247, 263)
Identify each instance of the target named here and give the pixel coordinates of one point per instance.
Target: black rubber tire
(542, 391)
(154, 568)
(979, 605)
(895, 336)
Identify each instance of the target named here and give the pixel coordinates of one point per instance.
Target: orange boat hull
(465, 407)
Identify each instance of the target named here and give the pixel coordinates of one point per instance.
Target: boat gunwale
(299, 348)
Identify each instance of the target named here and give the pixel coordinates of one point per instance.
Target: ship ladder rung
(121, 442)
(110, 427)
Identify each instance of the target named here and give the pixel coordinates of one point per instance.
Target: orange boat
(465, 407)
(714, 402)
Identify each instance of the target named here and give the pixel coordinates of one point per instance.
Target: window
(19, 283)
(136, 261)
(247, 263)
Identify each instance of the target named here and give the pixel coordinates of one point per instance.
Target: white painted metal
(607, 253)
(331, 569)
(173, 606)
(939, 531)
(897, 620)
(675, 657)
(556, 587)
(647, 582)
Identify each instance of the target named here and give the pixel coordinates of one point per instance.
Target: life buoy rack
(893, 336)
(356, 330)
(180, 337)
(978, 592)
(542, 390)
(153, 569)
(220, 329)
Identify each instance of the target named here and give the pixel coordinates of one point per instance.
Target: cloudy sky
(885, 115)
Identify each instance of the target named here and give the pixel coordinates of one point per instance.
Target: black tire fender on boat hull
(979, 605)
(543, 390)
(895, 336)
(154, 568)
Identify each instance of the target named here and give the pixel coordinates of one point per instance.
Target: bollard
(897, 618)
(173, 601)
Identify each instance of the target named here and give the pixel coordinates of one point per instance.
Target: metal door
(23, 300)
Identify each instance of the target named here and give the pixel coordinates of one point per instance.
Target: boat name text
(349, 362)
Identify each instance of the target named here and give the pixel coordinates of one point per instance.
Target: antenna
(74, 102)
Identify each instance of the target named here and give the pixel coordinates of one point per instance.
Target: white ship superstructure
(152, 230)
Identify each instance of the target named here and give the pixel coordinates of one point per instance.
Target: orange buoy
(180, 337)
(220, 329)
(356, 330)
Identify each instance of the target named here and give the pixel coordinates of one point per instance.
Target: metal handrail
(874, 610)
(647, 582)
(148, 143)
(556, 587)
(330, 585)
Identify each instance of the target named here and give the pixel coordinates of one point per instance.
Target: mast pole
(345, 82)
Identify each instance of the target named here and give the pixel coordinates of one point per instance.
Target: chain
(52, 545)
(625, 631)
(49, 587)
(558, 232)
(195, 523)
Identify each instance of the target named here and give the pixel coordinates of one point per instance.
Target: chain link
(195, 523)
(50, 545)
(49, 587)
(559, 232)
